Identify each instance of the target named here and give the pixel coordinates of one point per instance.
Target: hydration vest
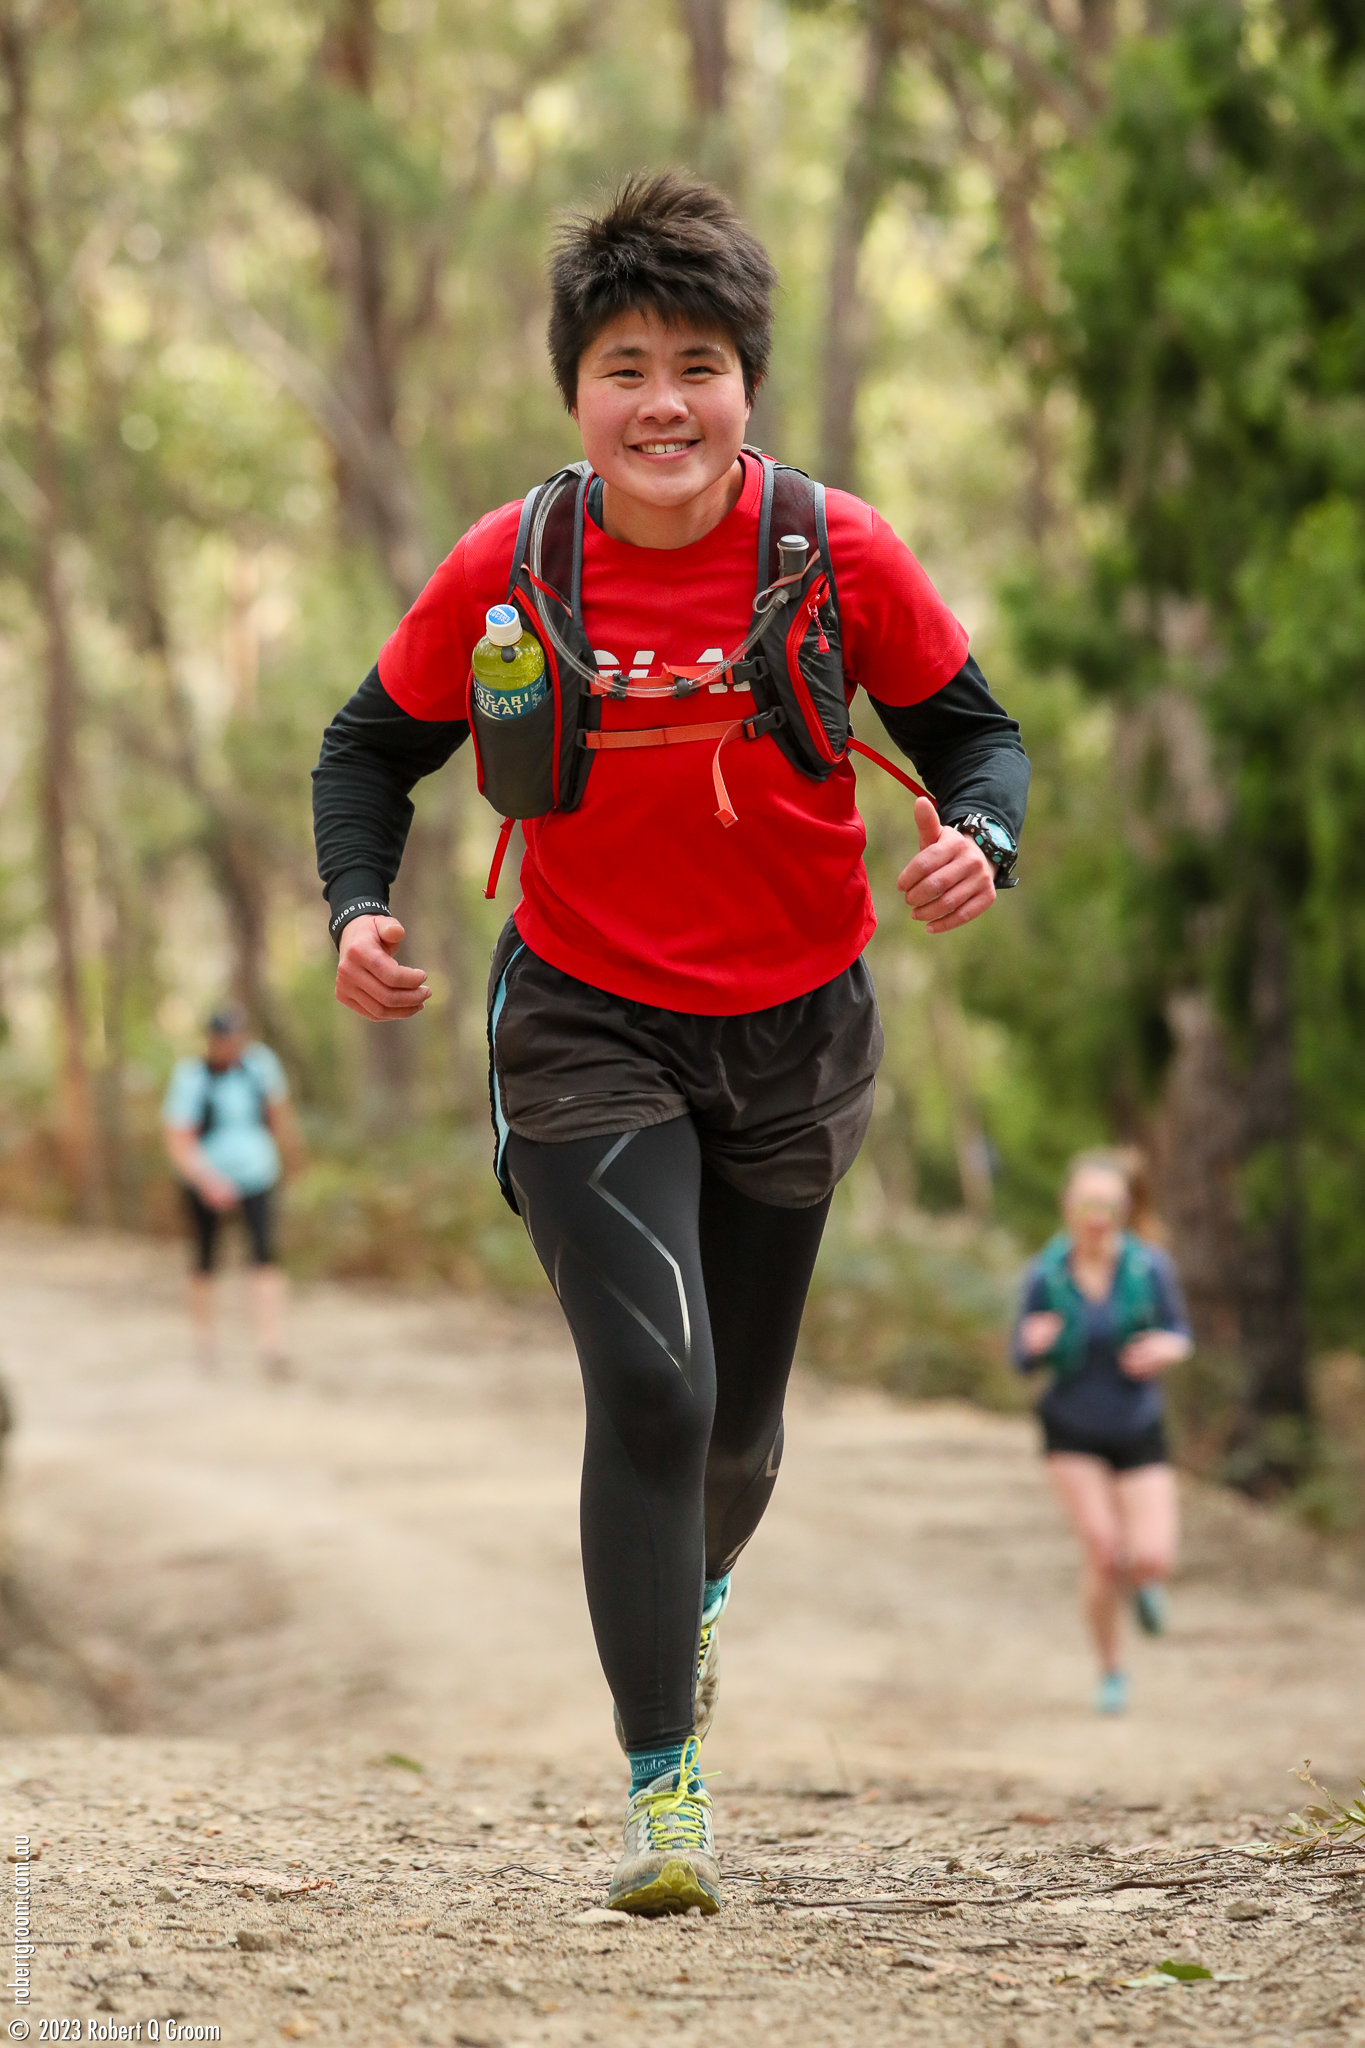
(1133, 1299)
(791, 663)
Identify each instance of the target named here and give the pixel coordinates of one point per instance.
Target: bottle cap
(503, 625)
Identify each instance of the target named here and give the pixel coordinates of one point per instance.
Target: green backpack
(1134, 1298)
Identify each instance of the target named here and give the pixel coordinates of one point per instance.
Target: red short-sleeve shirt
(641, 890)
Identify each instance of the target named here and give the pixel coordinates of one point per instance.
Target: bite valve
(792, 550)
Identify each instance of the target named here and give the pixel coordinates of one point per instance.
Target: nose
(663, 398)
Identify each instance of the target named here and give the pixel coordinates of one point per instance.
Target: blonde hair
(1128, 1165)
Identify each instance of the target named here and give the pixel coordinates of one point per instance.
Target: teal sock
(713, 1592)
(648, 1764)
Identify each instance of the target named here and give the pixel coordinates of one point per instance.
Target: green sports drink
(512, 715)
(509, 667)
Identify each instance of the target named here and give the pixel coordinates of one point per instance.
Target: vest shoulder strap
(528, 506)
(559, 502)
(792, 502)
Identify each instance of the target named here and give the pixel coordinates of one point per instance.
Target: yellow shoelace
(677, 1819)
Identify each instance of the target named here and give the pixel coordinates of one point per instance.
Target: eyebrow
(633, 351)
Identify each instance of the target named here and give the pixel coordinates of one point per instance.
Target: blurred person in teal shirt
(227, 1119)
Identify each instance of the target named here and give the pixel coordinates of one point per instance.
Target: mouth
(657, 449)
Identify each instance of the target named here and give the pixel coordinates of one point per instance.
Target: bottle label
(510, 703)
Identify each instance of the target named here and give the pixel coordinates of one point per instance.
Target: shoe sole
(674, 1889)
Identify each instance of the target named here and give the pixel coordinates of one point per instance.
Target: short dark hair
(668, 243)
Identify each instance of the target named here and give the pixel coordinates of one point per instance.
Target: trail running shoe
(1152, 1608)
(669, 1859)
(708, 1674)
(1111, 1694)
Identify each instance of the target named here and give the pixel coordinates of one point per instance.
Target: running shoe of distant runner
(1111, 1694)
(1152, 1608)
(669, 1860)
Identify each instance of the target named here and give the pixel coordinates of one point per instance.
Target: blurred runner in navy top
(1102, 1312)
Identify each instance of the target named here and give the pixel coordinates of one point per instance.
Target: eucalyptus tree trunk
(1268, 1440)
(379, 504)
(712, 146)
(865, 180)
(58, 770)
(1230, 1187)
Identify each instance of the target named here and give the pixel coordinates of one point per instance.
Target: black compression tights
(684, 1299)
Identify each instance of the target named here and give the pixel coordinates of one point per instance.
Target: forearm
(187, 1155)
(373, 753)
(966, 750)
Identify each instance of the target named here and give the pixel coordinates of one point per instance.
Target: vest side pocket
(517, 755)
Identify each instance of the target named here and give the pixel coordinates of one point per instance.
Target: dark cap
(227, 1022)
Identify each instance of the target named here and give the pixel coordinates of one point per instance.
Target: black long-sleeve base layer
(684, 1298)
(965, 749)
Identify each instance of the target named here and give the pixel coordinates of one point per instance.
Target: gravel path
(239, 1614)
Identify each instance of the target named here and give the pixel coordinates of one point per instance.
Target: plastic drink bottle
(509, 667)
(512, 713)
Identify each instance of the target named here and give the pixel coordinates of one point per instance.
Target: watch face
(996, 838)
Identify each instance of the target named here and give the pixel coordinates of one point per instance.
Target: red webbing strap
(679, 736)
(499, 855)
(857, 747)
(548, 588)
(725, 810)
(656, 736)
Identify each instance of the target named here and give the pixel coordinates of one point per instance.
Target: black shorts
(255, 1212)
(780, 1097)
(1126, 1453)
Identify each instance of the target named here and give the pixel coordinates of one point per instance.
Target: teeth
(661, 447)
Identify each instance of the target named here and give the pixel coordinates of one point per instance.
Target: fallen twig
(542, 1876)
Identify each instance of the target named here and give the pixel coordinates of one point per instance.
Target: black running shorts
(780, 1097)
(1127, 1453)
(205, 1224)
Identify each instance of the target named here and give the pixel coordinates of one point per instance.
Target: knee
(1101, 1553)
(1152, 1561)
(662, 1422)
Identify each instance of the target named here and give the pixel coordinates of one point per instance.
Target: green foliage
(1211, 244)
(421, 1209)
(1330, 1824)
(913, 1304)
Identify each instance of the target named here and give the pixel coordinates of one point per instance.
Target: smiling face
(662, 413)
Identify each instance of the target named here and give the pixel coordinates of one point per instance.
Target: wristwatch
(995, 842)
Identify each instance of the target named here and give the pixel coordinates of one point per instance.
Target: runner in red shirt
(683, 1033)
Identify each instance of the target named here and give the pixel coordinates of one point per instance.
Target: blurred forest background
(1074, 292)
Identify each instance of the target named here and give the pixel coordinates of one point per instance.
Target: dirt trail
(270, 1589)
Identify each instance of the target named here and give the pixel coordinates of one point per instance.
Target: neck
(670, 526)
